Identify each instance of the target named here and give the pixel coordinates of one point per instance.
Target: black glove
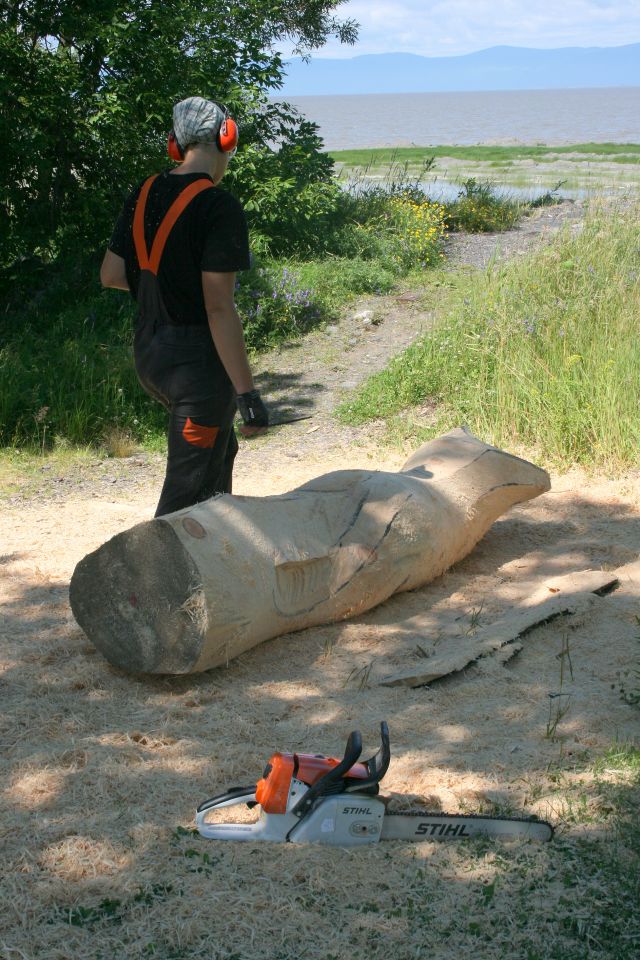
(252, 409)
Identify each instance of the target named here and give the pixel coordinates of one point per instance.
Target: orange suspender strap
(138, 225)
(152, 261)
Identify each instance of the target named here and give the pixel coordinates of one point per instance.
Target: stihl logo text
(357, 810)
(442, 830)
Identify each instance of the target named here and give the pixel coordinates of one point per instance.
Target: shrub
(478, 209)
(66, 356)
(357, 241)
(289, 194)
(549, 198)
(419, 228)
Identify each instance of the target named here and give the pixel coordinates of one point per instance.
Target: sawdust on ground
(101, 772)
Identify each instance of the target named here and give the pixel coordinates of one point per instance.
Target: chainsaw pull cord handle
(376, 766)
(331, 782)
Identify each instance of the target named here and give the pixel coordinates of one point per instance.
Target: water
(552, 117)
(446, 191)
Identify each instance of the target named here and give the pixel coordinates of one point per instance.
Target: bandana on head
(196, 120)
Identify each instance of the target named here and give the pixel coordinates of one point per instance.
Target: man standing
(176, 247)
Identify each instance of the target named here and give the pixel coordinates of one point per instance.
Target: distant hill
(498, 68)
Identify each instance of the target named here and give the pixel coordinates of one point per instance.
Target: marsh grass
(541, 352)
(550, 197)
(478, 207)
(384, 157)
(586, 169)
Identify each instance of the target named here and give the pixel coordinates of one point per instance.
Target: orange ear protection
(226, 138)
(228, 134)
(174, 149)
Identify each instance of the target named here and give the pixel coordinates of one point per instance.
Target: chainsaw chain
(465, 816)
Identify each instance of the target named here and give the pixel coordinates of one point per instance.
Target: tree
(87, 85)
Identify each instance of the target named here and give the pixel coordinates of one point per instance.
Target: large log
(195, 589)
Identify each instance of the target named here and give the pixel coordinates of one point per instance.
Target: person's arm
(228, 336)
(112, 272)
(226, 328)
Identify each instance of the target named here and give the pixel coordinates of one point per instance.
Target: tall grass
(543, 351)
(68, 374)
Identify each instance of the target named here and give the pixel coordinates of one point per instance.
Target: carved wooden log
(195, 589)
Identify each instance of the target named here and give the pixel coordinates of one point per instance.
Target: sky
(441, 28)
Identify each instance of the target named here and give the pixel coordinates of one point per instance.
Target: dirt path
(101, 772)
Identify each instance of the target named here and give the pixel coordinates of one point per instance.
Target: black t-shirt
(211, 234)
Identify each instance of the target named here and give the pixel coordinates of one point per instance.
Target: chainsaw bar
(456, 826)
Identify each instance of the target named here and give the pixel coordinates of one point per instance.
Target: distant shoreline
(507, 143)
(285, 98)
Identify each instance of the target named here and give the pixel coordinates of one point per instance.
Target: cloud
(450, 27)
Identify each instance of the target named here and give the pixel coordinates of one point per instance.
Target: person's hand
(253, 412)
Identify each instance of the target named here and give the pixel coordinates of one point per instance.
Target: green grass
(336, 281)
(382, 157)
(68, 375)
(541, 352)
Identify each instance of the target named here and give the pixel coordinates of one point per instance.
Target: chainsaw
(310, 798)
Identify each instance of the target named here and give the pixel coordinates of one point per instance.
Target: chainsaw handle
(233, 796)
(376, 766)
(331, 782)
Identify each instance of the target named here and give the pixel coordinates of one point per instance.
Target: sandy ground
(101, 769)
(101, 772)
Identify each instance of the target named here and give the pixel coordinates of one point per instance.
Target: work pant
(179, 366)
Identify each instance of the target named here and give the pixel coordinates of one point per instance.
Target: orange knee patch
(199, 435)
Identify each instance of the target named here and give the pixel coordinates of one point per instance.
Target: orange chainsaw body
(272, 791)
